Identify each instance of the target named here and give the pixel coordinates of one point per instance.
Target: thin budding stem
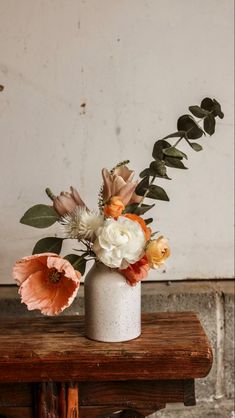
(146, 192)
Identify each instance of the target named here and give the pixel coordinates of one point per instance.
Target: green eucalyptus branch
(166, 155)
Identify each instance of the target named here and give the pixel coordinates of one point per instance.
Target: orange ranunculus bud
(136, 272)
(114, 207)
(157, 252)
(136, 218)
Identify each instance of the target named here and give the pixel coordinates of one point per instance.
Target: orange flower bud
(114, 207)
(157, 252)
(136, 272)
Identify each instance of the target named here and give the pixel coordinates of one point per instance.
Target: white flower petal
(119, 242)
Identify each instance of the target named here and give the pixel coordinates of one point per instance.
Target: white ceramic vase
(112, 306)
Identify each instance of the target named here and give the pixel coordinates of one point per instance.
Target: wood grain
(132, 394)
(18, 412)
(171, 346)
(15, 394)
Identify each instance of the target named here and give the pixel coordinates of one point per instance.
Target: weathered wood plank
(132, 394)
(16, 394)
(171, 346)
(189, 393)
(18, 412)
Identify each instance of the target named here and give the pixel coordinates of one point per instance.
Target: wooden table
(49, 369)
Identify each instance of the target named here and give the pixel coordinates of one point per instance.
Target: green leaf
(157, 192)
(158, 149)
(138, 210)
(78, 262)
(148, 221)
(142, 186)
(209, 124)
(174, 162)
(212, 106)
(40, 216)
(207, 104)
(158, 168)
(178, 134)
(174, 152)
(195, 146)
(198, 111)
(144, 173)
(217, 109)
(188, 124)
(48, 245)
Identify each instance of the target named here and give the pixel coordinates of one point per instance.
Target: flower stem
(146, 192)
(177, 142)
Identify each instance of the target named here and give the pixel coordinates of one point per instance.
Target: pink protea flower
(67, 202)
(47, 282)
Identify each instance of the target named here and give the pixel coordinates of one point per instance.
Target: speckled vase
(112, 306)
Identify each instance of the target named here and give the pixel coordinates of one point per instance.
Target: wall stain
(83, 106)
(4, 69)
(118, 130)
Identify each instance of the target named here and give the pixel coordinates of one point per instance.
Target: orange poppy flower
(47, 282)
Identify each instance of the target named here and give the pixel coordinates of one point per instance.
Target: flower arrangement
(118, 234)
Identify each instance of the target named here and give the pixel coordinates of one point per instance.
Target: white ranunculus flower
(82, 224)
(119, 242)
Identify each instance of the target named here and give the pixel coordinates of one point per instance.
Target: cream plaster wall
(137, 65)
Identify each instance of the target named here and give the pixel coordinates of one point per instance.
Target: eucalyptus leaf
(217, 109)
(174, 162)
(138, 210)
(188, 124)
(158, 168)
(142, 186)
(207, 104)
(48, 245)
(178, 134)
(78, 262)
(209, 124)
(148, 221)
(198, 111)
(157, 192)
(195, 146)
(174, 152)
(212, 106)
(144, 173)
(40, 216)
(158, 149)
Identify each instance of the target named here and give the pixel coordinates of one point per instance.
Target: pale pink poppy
(67, 202)
(47, 282)
(120, 183)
